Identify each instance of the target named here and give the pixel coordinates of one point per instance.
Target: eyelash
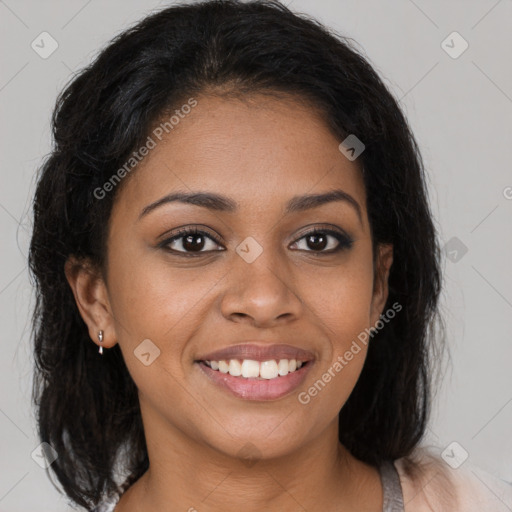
(345, 242)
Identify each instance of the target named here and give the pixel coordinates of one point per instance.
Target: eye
(194, 242)
(191, 240)
(321, 240)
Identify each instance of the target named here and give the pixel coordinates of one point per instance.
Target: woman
(235, 217)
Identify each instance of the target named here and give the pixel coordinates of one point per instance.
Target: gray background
(460, 110)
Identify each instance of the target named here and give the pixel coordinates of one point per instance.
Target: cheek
(342, 303)
(150, 299)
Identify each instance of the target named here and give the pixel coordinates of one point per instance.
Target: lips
(281, 369)
(257, 352)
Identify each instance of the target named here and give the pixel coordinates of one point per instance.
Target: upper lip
(258, 352)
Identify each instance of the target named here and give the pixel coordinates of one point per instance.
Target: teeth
(268, 370)
(249, 368)
(235, 368)
(282, 367)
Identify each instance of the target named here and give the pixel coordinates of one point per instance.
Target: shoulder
(429, 484)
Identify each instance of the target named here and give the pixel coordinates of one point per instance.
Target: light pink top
(429, 484)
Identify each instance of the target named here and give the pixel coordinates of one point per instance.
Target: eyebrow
(220, 203)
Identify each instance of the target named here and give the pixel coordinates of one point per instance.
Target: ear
(92, 300)
(380, 282)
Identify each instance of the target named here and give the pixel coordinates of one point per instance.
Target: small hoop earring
(100, 339)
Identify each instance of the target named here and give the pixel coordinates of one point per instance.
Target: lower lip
(256, 388)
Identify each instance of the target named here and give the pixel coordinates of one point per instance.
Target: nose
(261, 293)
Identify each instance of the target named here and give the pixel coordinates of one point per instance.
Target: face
(256, 282)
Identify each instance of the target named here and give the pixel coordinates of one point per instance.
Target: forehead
(259, 150)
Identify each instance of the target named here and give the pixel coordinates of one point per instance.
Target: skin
(260, 152)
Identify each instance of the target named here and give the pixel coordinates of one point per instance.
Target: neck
(185, 475)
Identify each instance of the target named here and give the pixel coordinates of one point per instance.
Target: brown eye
(317, 241)
(191, 240)
(193, 243)
(325, 241)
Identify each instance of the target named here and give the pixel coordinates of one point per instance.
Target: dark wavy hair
(87, 406)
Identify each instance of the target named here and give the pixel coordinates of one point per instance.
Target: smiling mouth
(251, 369)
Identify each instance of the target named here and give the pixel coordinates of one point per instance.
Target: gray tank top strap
(393, 496)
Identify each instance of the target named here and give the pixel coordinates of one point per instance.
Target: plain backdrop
(460, 108)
